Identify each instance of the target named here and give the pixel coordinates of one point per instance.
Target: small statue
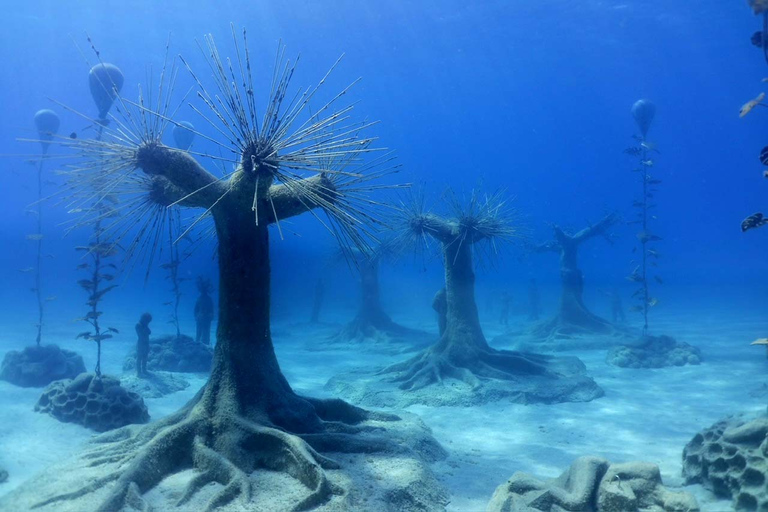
(533, 301)
(440, 305)
(204, 311)
(506, 304)
(617, 306)
(142, 344)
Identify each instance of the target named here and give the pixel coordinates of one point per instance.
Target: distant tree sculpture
(462, 352)
(573, 317)
(644, 111)
(247, 416)
(47, 124)
(371, 319)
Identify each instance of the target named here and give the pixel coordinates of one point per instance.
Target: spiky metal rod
(291, 165)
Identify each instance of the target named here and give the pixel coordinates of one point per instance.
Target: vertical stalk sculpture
(644, 111)
(47, 124)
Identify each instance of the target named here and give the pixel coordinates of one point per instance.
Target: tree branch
(597, 229)
(183, 174)
(297, 198)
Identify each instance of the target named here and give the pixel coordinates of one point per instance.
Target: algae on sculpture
(247, 416)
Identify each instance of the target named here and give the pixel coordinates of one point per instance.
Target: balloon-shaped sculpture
(643, 112)
(183, 135)
(47, 124)
(105, 81)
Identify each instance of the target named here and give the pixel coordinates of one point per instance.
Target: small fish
(35, 236)
(748, 106)
(112, 329)
(51, 298)
(764, 156)
(760, 341)
(753, 221)
(649, 146)
(645, 236)
(647, 163)
(652, 301)
(73, 135)
(27, 269)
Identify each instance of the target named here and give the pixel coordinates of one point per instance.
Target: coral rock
(175, 354)
(36, 367)
(654, 352)
(730, 458)
(98, 403)
(592, 484)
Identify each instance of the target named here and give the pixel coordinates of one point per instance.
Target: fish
(764, 156)
(748, 106)
(647, 163)
(35, 236)
(73, 135)
(650, 146)
(653, 301)
(753, 221)
(51, 298)
(27, 269)
(760, 341)
(646, 236)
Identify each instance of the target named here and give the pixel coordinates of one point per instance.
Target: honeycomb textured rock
(654, 352)
(730, 458)
(36, 367)
(175, 354)
(98, 403)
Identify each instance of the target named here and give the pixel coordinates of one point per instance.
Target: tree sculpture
(573, 317)
(247, 416)
(462, 354)
(371, 321)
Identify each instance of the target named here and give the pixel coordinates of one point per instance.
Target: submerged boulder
(3, 476)
(37, 366)
(153, 384)
(592, 484)
(654, 352)
(730, 458)
(98, 403)
(175, 354)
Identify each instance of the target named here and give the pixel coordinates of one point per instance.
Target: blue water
(531, 97)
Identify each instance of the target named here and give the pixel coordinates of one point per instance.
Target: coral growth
(96, 402)
(654, 352)
(730, 458)
(37, 366)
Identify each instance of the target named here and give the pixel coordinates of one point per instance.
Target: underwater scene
(421, 256)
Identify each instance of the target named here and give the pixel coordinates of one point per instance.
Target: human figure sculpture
(142, 344)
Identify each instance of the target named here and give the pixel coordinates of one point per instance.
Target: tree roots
(472, 368)
(225, 448)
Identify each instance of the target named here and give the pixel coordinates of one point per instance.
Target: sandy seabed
(645, 415)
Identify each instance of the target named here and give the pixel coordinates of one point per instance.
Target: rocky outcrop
(592, 484)
(175, 354)
(654, 352)
(730, 458)
(38, 366)
(98, 403)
